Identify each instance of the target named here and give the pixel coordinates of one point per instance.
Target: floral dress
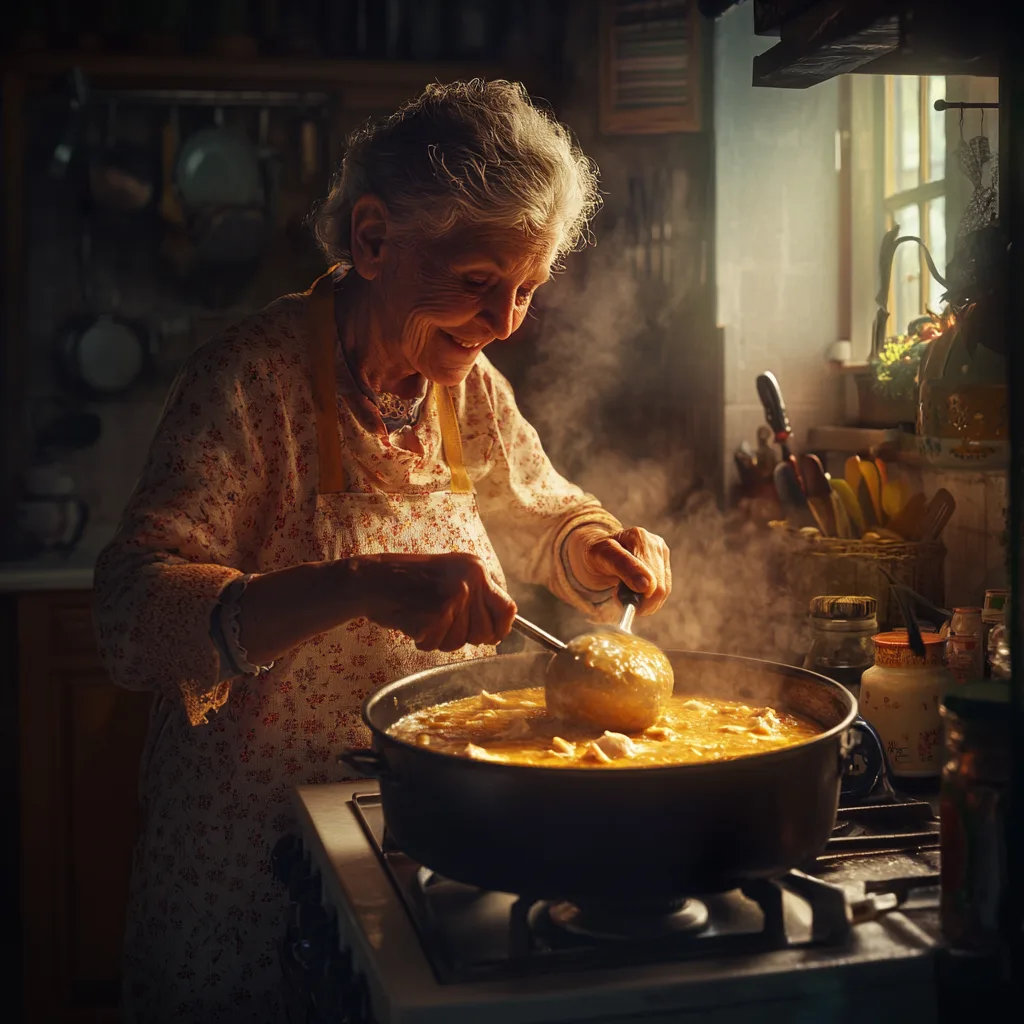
(235, 484)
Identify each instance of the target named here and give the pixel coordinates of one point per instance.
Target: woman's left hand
(632, 556)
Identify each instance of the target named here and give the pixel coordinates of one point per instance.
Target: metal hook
(983, 122)
(961, 124)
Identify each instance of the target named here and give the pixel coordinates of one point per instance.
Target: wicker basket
(826, 565)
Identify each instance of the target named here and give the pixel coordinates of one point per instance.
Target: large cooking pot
(596, 834)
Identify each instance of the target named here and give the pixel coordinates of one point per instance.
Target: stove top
(861, 919)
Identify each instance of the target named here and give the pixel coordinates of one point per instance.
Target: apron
(352, 523)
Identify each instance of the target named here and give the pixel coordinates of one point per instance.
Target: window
(914, 192)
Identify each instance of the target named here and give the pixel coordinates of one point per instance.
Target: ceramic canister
(900, 696)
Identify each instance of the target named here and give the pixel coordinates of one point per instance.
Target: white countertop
(47, 572)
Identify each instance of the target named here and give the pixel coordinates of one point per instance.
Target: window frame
(921, 195)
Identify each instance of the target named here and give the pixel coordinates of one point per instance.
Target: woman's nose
(499, 312)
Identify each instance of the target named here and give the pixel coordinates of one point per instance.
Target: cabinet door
(81, 742)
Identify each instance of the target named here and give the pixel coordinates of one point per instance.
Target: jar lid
(987, 701)
(966, 611)
(893, 649)
(831, 606)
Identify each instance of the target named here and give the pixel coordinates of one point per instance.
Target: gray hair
(471, 152)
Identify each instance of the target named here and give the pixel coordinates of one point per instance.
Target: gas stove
(372, 936)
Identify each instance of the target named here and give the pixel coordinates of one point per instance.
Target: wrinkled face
(445, 300)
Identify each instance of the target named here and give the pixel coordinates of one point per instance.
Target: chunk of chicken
(479, 754)
(767, 724)
(595, 753)
(734, 728)
(562, 747)
(517, 729)
(697, 705)
(616, 744)
(660, 732)
(492, 700)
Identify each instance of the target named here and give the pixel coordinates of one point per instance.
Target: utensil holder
(809, 566)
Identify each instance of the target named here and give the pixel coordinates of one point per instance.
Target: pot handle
(863, 763)
(367, 762)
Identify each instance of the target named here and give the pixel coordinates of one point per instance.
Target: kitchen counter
(48, 572)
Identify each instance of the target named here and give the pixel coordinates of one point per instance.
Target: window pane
(936, 131)
(937, 247)
(906, 137)
(906, 272)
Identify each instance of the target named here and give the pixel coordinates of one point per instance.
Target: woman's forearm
(281, 609)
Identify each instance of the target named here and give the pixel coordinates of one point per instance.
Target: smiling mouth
(469, 346)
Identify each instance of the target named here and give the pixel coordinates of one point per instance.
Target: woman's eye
(475, 282)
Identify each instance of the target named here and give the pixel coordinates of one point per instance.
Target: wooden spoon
(874, 484)
(907, 522)
(939, 512)
(848, 498)
(819, 493)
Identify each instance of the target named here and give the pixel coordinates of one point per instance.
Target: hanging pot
(103, 356)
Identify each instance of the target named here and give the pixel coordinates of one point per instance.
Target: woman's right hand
(443, 602)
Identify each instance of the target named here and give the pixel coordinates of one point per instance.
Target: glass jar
(965, 654)
(997, 645)
(973, 807)
(900, 695)
(841, 647)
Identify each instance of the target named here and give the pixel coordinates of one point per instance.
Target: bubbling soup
(514, 727)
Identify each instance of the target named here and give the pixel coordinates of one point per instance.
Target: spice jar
(899, 696)
(841, 647)
(965, 654)
(973, 807)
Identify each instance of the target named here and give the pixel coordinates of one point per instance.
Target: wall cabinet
(81, 739)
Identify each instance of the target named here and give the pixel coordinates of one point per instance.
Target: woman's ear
(369, 231)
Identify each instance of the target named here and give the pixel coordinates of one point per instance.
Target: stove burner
(471, 934)
(626, 923)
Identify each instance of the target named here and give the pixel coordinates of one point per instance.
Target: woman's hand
(443, 602)
(635, 557)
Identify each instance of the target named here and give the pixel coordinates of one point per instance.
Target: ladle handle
(538, 635)
(630, 601)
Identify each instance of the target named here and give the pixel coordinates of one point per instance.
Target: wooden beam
(12, 342)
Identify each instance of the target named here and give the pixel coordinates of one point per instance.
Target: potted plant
(888, 391)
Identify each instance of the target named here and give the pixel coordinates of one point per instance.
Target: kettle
(50, 514)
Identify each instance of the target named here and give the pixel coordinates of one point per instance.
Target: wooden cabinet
(81, 739)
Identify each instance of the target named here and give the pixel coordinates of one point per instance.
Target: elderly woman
(329, 502)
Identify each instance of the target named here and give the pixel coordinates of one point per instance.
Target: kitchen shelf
(850, 440)
(256, 72)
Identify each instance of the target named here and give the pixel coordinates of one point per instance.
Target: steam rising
(727, 595)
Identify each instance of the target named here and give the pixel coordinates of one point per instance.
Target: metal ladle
(608, 679)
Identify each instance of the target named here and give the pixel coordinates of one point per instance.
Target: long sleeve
(190, 528)
(529, 509)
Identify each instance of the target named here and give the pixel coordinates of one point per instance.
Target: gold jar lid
(893, 650)
(834, 606)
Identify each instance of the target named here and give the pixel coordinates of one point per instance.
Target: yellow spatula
(870, 473)
(849, 502)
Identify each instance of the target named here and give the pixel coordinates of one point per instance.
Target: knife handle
(774, 408)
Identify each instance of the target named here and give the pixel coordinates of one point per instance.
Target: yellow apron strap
(452, 440)
(323, 344)
(323, 352)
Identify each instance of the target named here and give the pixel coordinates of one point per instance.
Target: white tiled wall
(777, 219)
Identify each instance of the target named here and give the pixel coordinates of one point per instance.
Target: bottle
(973, 813)
(991, 616)
(841, 646)
(965, 654)
(900, 695)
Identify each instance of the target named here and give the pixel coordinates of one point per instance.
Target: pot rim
(699, 767)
